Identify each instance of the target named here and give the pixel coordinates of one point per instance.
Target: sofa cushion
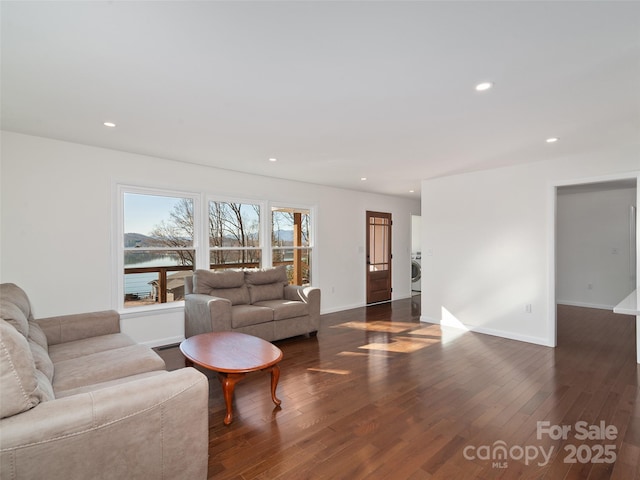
(45, 389)
(37, 335)
(14, 315)
(246, 315)
(283, 309)
(269, 291)
(205, 280)
(105, 366)
(15, 307)
(87, 346)
(100, 386)
(41, 359)
(267, 275)
(19, 390)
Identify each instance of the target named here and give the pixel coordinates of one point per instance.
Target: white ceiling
(335, 91)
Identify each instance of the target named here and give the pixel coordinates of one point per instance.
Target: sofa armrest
(310, 295)
(156, 427)
(204, 314)
(67, 328)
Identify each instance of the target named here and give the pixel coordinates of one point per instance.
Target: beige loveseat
(81, 400)
(256, 302)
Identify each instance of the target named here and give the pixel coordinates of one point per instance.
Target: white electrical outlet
(527, 308)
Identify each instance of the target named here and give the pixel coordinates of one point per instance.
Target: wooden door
(378, 257)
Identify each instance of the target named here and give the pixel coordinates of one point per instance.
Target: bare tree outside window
(177, 231)
(234, 235)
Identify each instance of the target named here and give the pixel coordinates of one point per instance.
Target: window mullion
(265, 241)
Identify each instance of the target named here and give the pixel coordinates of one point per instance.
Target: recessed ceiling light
(109, 124)
(552, 140)
(363, 178)
(481, 87)
(411, 191)
(273, 159)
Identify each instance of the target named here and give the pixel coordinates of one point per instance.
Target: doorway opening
(595, 247)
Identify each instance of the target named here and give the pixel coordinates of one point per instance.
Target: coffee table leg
(228, 381)
(275, 376)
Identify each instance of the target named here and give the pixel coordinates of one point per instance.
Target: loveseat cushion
(283, 309)
(267, 275)
(206, 280)
(227, 284)
(237, 296)
(20, 390)
(270, 291)
(246, 315)
(266, 284)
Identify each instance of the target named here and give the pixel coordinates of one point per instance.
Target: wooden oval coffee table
(232, 355)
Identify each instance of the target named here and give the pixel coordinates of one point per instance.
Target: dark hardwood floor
(379, 395)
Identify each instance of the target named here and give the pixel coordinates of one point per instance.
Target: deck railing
(163, 272)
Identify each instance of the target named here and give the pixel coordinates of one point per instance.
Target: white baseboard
(161, 342)
(341, 308)
(489, 331)
(584, 304)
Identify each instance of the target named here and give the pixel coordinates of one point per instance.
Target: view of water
(138, 283)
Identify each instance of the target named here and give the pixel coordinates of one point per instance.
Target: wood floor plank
(379, 395)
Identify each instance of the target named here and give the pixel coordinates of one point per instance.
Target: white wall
(593, 250)
(57, 227)
(416, 231)
(488, 244)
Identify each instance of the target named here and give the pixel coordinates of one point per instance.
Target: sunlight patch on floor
(431, 331)
(330, 370)
(402, 345)
(380, 326)
(352, 354)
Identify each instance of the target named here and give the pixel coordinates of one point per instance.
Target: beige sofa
(81, 400)
(256, 302)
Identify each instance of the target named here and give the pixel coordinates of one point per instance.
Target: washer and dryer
(416, 271)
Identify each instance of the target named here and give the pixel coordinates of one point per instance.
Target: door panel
(378, 257)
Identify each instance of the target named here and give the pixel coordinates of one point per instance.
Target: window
(158, 247)
(291, 242)
(234, 235)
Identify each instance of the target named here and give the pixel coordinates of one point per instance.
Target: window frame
(312, 229)
(120, 249)
(201, 245)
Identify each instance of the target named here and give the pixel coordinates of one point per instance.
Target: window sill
(134, 312)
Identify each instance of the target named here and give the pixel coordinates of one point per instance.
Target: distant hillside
(132, 240)
(284, 235)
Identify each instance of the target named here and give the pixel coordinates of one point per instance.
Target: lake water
(139, 282)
